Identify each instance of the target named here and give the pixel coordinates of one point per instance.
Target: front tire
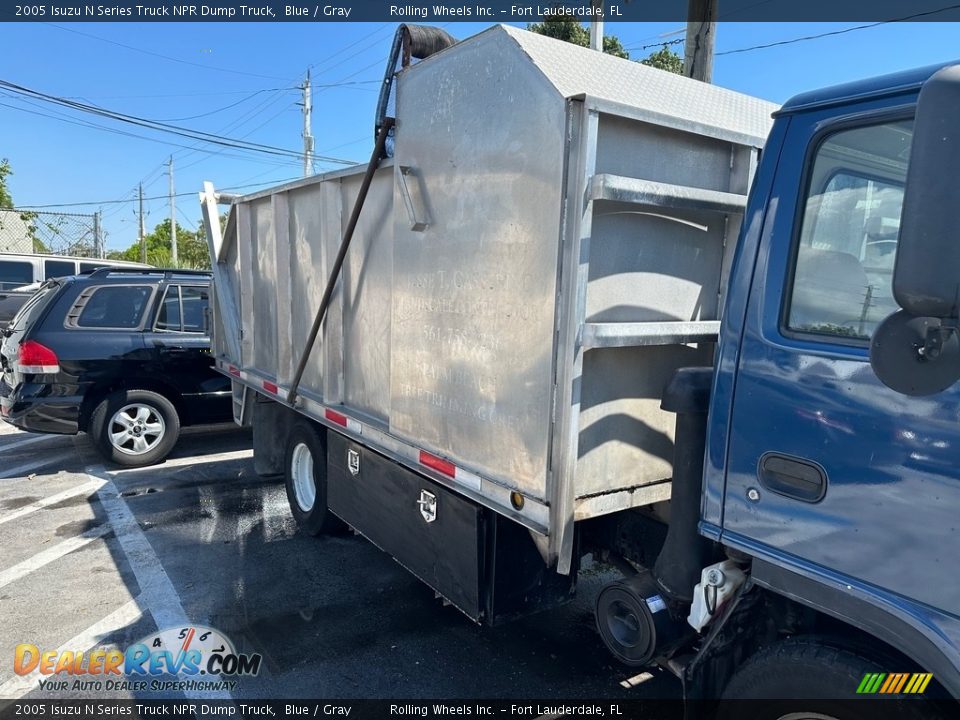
(812, 677)
(305, 477)
(135, 428)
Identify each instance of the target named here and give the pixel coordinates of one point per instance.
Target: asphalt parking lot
(95, 555)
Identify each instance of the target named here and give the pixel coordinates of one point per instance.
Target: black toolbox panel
(381, 502)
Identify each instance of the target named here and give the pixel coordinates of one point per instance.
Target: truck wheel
(135, 427)
(812, 678)
(305, 475)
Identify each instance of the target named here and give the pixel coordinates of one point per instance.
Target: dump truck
(579, 306)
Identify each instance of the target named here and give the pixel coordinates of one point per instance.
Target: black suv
(121, 354)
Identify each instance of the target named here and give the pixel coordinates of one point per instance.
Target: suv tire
(135, 428)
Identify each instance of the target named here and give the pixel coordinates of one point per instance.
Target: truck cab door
(830, 473)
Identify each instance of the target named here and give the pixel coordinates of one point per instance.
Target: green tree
(191, 249)
(573, 31)
(665, 59)
(29, 218)
(6, 201)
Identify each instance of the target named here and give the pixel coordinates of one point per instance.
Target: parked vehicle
(121, 354)
(560, 327)
(12, 300)
(18, 269)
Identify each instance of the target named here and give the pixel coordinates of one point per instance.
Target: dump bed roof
(575, 71)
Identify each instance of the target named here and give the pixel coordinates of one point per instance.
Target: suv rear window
(110, 306)
(32, 308)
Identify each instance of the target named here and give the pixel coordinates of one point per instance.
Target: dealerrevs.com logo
(201, 657)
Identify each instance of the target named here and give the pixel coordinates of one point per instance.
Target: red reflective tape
(270, 387)
(233, 371)
(334, 416)
(438, 464)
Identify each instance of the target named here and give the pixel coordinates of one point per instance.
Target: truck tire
(135, 428)
(305, 476)
(812, 677)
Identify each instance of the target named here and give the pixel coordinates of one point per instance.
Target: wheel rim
(136, 429)
(623, 624)
(301, 470)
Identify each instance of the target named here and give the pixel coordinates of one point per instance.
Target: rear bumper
(33, 407)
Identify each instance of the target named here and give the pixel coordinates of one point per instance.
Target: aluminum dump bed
(548, 244)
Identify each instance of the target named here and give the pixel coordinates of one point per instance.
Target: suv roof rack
(167, 273)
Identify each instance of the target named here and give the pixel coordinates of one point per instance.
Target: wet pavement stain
(77, 527)
(75, 501)
(16, 503)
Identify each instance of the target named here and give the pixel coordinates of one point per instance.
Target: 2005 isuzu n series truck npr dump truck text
(546, 320)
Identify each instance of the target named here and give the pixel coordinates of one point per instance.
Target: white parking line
(45, 557)
(34, 465)
(87, 487)
(164, 601)
(17, 444)
(127, 614)
(181, 462)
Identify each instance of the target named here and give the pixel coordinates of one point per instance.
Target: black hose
(341, 256)
(410, 41)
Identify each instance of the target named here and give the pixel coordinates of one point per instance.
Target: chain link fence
(35, 231)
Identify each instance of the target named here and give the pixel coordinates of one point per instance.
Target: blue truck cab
(831, 463)
(804, 548)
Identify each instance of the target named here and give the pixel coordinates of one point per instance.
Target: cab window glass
(843, 269)
(169, 316)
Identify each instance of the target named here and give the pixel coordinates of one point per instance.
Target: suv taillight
(38, 359)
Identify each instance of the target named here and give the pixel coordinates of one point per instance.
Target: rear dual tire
(305, 477)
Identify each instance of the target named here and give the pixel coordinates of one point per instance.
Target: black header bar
(491, 11)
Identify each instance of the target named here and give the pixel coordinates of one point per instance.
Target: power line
(218, 110)
(158, 125)
(830, 33)
(678, 41)
(184, 215)
(164, 57)
(115, 131)
(839, 32)
(174, 95)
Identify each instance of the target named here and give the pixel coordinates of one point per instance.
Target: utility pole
(307, 128)
(701, 34)
(596, 26)
(97, 239)
(173, 221)
(143, 238)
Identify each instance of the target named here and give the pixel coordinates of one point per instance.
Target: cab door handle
(793, 477)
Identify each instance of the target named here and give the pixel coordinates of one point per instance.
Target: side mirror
(916, 350)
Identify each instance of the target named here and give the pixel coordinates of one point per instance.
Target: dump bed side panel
(367, 299)
(475, 290)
